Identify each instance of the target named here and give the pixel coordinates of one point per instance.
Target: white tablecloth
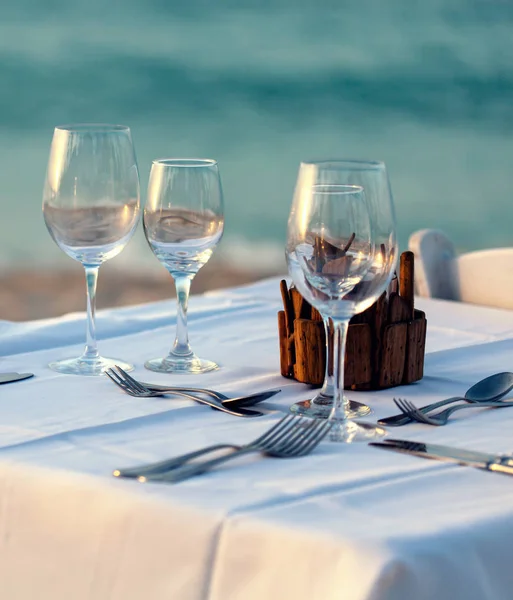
(347, 522)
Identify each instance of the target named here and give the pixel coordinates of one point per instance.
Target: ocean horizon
(427, 88)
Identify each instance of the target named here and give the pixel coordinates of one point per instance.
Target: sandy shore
(34, 294)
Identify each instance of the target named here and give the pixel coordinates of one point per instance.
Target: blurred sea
(425, 86)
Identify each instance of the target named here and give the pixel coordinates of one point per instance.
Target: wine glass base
(349, 432)
(317, 410)
(88, 366)
(192, 365)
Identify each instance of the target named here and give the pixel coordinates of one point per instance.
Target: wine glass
(183, 223)
(91, 209)
(341, 253)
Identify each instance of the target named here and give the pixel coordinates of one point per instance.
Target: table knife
(480, 460)
(8, 377)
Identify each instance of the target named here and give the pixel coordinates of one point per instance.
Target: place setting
(294, 400)
(348, 320)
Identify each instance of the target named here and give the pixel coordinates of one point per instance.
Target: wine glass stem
(340, 409)
(91, 350)
(181, 346)
(327, 386)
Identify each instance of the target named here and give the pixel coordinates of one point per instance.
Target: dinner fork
(248, 400)
(178, 461)
(165, 388)
(297, 437)
(441, 418)
(134, 388)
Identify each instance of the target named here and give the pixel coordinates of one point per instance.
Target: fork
(134, 388)
(249, 400)
(441, 418)
(173, 463)
(402, 419)
(292, 440)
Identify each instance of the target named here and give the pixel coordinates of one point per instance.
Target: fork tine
(128, 389)
(121, 381)
(298, 430)
(112, 375)
(130, 381)
(320, 435)
(410, 410)
(124, 388)
(302, 436)
(416, 414)
(403, 406)
(278, 434)
(299, 442)
(294, 430)
(408, 406)
(399, 403)
(429, 420)
(283, 424)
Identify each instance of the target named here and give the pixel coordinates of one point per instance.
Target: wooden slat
(393, 355)
(415, 348)
(398, 310)
(406, 281)
(358, 363)
(287, 307)
(301, 308)
(286, 365)
(310, 351)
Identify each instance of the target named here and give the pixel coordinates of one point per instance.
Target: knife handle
(503, 465)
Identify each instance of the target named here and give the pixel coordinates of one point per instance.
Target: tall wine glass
(183, 223)
(341, 252)
(91, 209)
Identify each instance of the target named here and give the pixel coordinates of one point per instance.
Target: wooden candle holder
(385, 344)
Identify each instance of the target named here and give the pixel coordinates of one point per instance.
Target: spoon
(491, 388)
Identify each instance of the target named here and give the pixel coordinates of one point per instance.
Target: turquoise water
(426, 87)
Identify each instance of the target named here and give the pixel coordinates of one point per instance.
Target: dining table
(346, 522)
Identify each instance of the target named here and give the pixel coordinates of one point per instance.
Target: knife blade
(9, 377)
(480, 460)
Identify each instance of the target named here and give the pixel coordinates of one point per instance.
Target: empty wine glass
(183, 223)
(91, 209)
(341, 253)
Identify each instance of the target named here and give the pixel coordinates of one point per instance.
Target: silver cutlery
(491, 388)
(292, 437)
(248, 400)
(441, 418)
(10, 377)
(498, 463)
(178, 461)
(155, 387)
(134, 388)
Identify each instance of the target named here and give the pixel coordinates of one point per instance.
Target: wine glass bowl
(183, 223)
(328, 258)
(341, 252)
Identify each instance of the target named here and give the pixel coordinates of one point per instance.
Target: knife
(499, 463)
(8, 377)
